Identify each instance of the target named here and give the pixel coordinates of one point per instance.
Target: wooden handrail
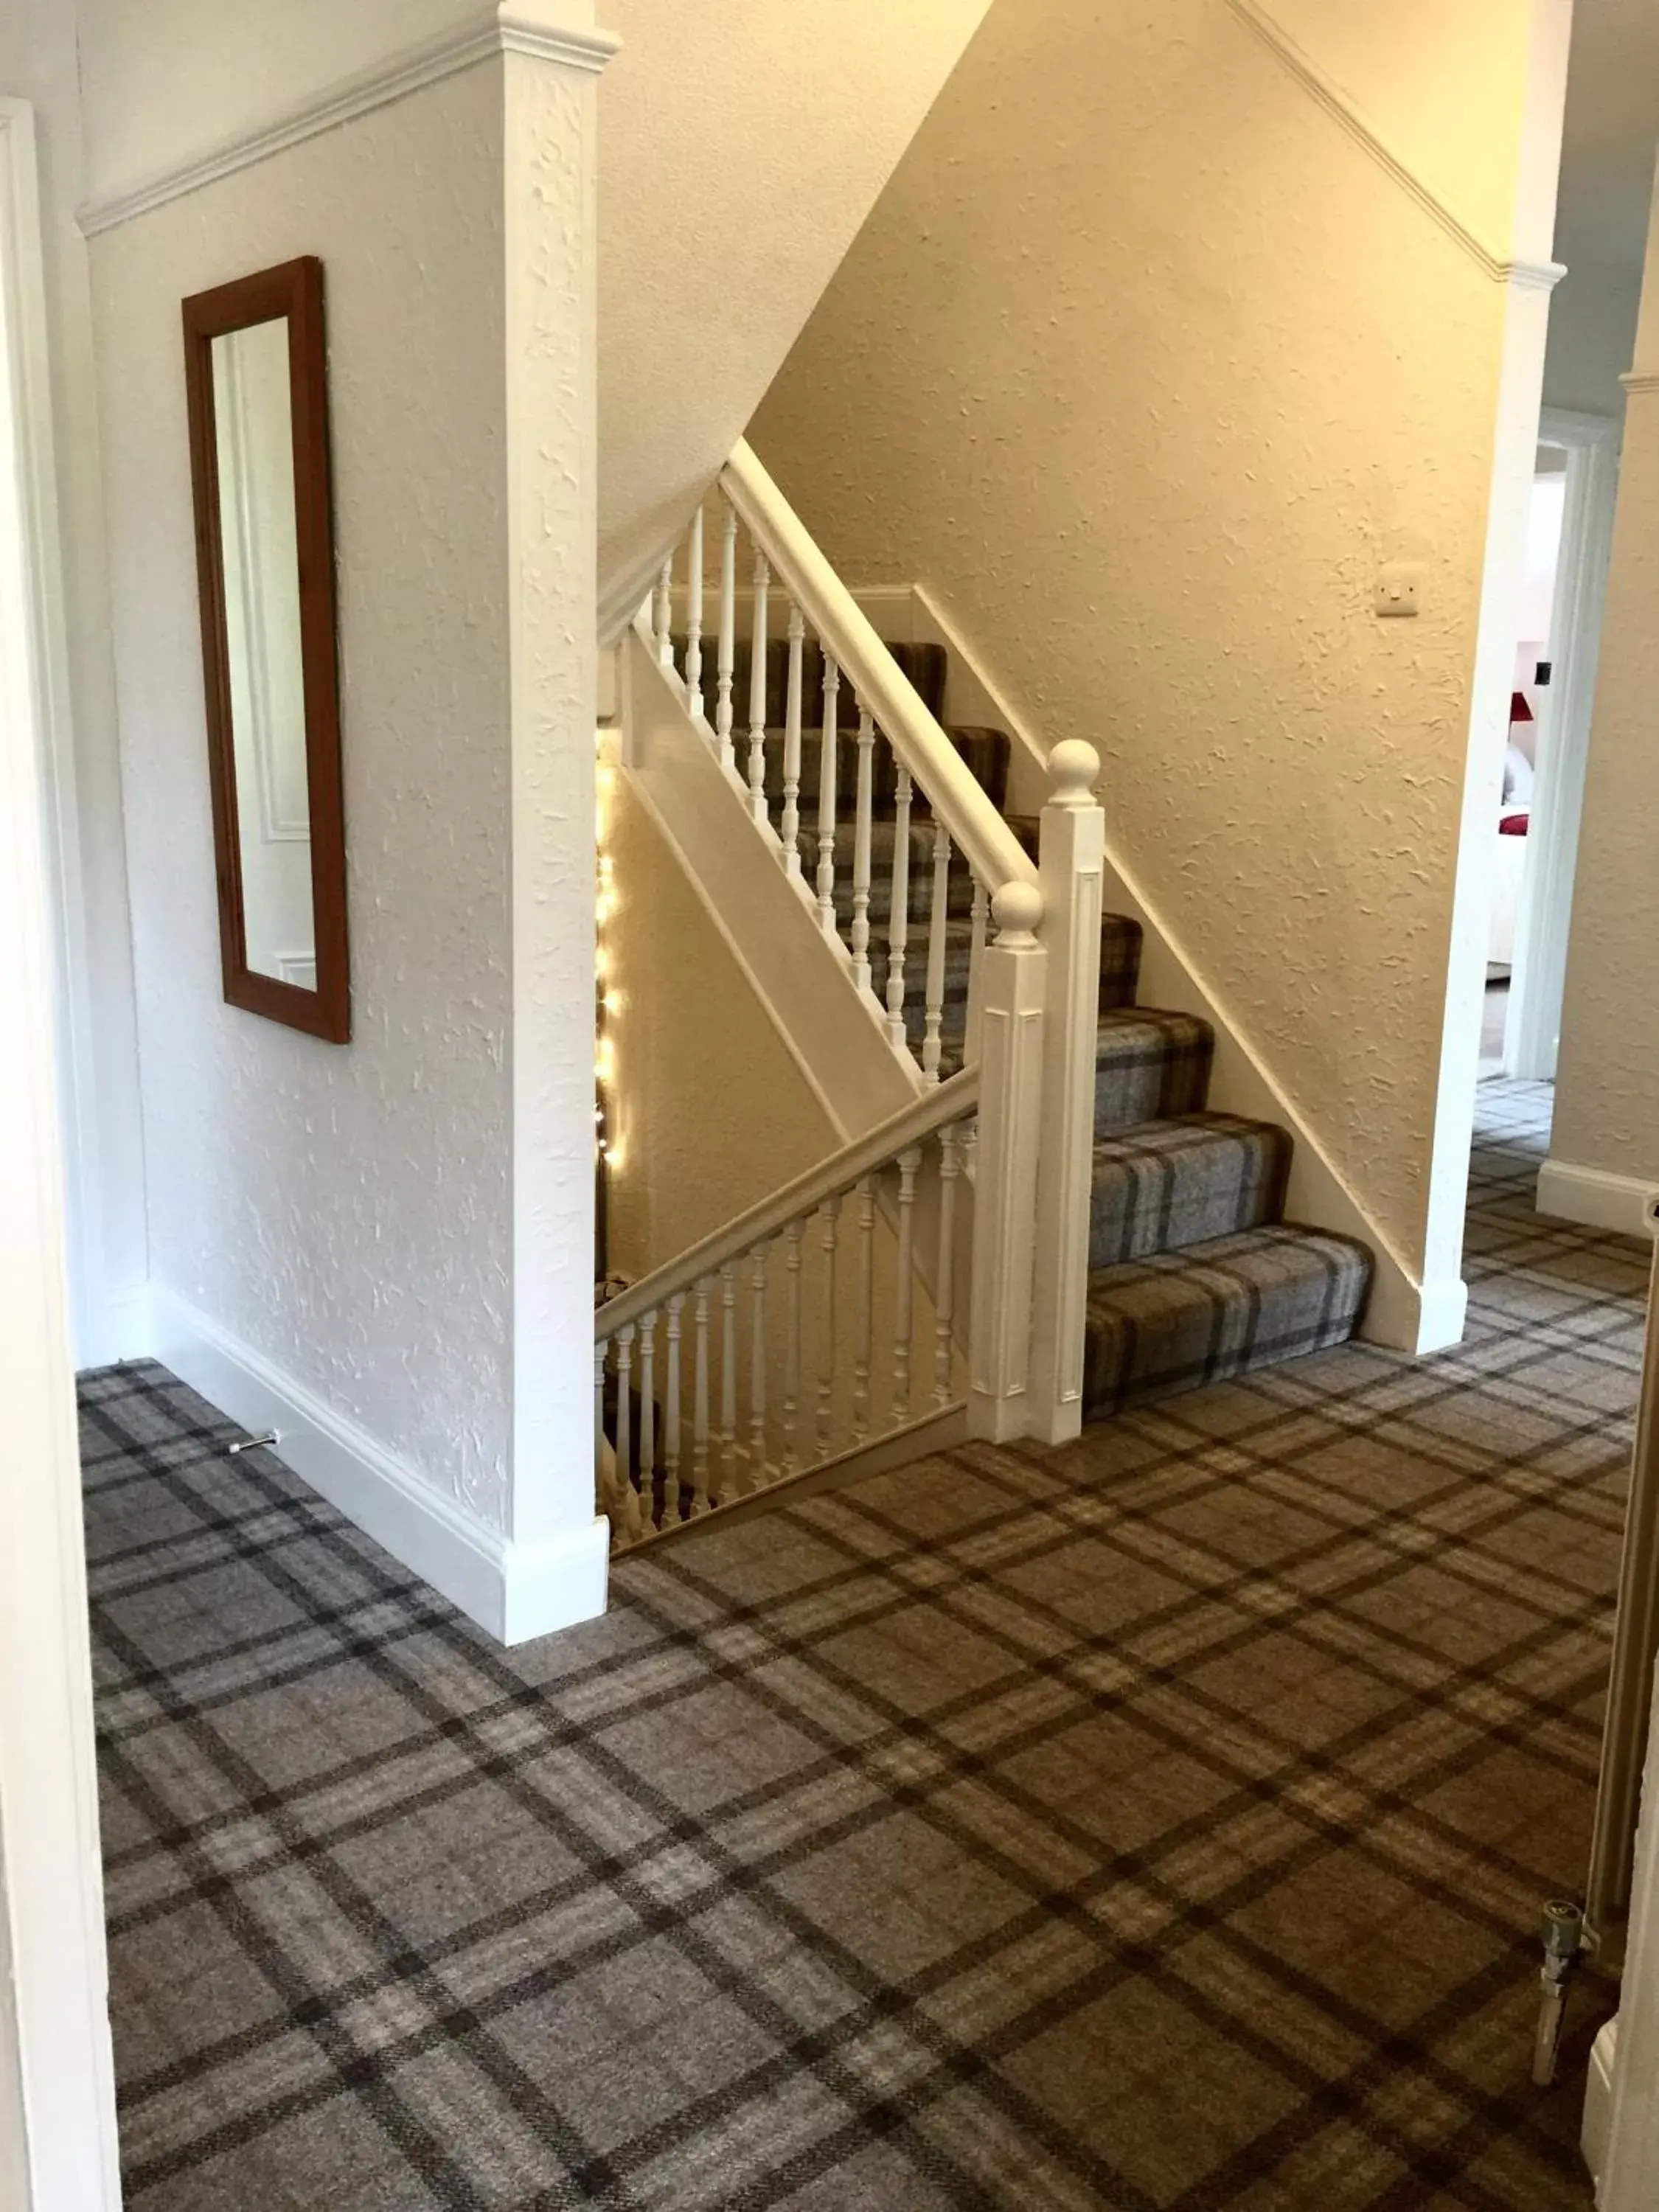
(955, 792)
(830, 1178)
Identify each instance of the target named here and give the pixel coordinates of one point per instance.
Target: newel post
(1070, 864)
(1006, 1166)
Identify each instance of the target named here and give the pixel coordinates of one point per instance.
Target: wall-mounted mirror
(257, 382)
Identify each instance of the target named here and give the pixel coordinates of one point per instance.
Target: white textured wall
(343, 1210)
(106, 1183)
(1592, 337)
(1146, 364)
(1607, 1089)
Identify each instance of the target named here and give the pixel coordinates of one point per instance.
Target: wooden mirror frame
(293, 291)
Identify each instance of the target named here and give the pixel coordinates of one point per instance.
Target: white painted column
(556, 1545)
(57, 2141)
(1629, 2178)
(1005, 1168)
(1071, 860)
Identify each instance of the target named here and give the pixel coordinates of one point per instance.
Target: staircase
(1194, 1274)
(1148, 1231)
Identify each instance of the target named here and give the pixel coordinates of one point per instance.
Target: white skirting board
(1598, 2099)
(513, 1591)
(1595, 1197)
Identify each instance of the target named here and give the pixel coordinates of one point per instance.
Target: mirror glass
(260, 559)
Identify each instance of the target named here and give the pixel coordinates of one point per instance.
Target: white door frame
(1629, 2178)
(58, 2136)
(1591, 445)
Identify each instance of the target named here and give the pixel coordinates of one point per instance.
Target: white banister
(790, 815)
(670, 1416)
(725, 651)
(861, 931)
(693, 619)
(758, 693)
(864, 1335)
(665, 613)
(944, 1275)
(957, 797)
(699, 1399)
(828, 796)
(731, 1479)
(830, 1214)
(1006, 1166)
(1071, 859)
(933, 1013)
(898, 914)
(909, 1164)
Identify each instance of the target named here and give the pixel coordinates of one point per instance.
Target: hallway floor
(1158, 1822)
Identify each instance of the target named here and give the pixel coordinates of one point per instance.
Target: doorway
(1576, 482)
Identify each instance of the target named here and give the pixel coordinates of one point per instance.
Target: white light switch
(1398, 586)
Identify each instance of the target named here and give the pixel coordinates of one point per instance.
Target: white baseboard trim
(513, 1591)
(1598, 2099)
(1596, 1198)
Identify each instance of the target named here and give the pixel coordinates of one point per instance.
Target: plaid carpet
(1158, 1822)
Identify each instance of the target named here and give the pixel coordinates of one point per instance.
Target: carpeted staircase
(1195, 1275)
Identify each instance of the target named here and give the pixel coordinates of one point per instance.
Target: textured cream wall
(1607, 1089)
(1145, 364)
(697, 1145)
(740, 150)
(343, 1210)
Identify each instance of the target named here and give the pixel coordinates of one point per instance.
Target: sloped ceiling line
(1342, 109)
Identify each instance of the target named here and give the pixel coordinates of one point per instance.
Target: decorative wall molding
(1503, 269)
(1640, 380)
(501, 31)
(514, 1591)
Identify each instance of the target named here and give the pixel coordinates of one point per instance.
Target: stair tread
(1174, 1321)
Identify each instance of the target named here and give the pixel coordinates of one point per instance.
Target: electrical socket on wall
(1399, 588)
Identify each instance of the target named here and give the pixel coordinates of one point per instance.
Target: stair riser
(1179, 1330)
(1163, 1201)
(1150, 1071)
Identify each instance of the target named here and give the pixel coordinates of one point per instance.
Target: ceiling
(1612, 132)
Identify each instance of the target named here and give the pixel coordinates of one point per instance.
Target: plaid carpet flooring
(1158, 1822)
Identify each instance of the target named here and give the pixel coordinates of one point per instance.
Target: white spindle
(758, 694)
(648, 1419)
(726, 650)
(625, 1426)
(693, 619)
(790, 819)
(937, 923)
(863, 1340)
(757, 1367)
(898, 917)
(827, 797)
(860, 937)
(830, 1214)
(945, 1289)
(909, 1161)
(699, 1399)
(664, 617)
(671, 1415)
(730, 1482)
(1071, 851)
(789, 1461)
(607, 1497)
(981, 915)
